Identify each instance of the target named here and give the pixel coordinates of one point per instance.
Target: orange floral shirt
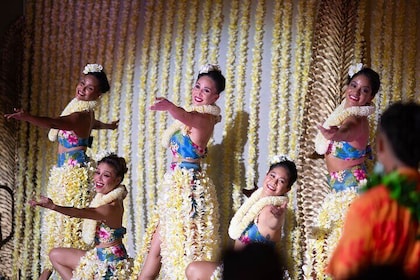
(377, 231)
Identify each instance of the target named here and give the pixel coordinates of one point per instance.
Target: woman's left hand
(43, 202)
(278, 211)
(328, 133)
(161, 104)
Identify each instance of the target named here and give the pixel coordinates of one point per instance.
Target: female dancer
(343, 139)
(188, 228)
(69, 180)
(259, 220)
(103, 226)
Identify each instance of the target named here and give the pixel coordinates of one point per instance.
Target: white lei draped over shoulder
(75, 105)
(177, 125)
(336, 118)
(250, 210)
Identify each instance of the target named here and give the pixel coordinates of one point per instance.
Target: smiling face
(358, 92)
(88, 89)
(204, 91)
(276, 182)
(105, 178)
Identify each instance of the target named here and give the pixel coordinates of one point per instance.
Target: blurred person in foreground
(382, 225)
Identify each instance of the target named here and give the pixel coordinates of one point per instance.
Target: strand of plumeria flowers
(190, 53)
(166, 62)
(127, 19)
(336, 118)
(250, 210)
(245, 13)
(227, 160)
(217, 23)
(89, 226)
(206, 19)
(274, 87)
(142, 95)
(398, 51)
(20, 190)
(255, 89)
(126, 130)
(387, 70)
(153, 69)
(359, 38)
(410, 50)
(32, 151)
(179, 50)
(284, 77)
(43, 95)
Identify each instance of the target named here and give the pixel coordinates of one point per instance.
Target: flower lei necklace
(336, 118)
(75, 105)
(177, 125)
(250, 210)
(89, 226)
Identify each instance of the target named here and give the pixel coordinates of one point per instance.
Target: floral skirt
(104, 264)
(189, 224)
(67, 186)
(327, 228)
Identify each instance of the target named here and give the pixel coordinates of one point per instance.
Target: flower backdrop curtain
(273, 56)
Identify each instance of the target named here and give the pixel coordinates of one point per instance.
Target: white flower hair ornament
(89, 68)
(209, 67)
(353, 69)
(101, 154)
(279, 158)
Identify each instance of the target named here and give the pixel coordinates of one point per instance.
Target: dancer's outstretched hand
(19, 114)
(43, 201)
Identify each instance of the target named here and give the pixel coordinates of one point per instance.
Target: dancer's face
(88, 89)
(105, 178)
(276, 182)
(358, 92)
(204, 91)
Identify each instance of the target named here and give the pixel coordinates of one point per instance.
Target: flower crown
(279, 158)
(353, 69)
(101, 154)
(89, 68)
(208, 68)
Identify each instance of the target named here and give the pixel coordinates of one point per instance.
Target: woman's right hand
(19, 114)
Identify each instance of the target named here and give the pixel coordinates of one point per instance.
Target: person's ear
(379, 143)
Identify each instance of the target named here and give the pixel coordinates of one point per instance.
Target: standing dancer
(186, 227)
(343, 140)
(69, 181)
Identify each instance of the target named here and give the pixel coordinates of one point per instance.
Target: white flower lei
(89, 226)
(90, 68)
(336, 118)
(177, 125)
(250, 210)
(75, 105)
